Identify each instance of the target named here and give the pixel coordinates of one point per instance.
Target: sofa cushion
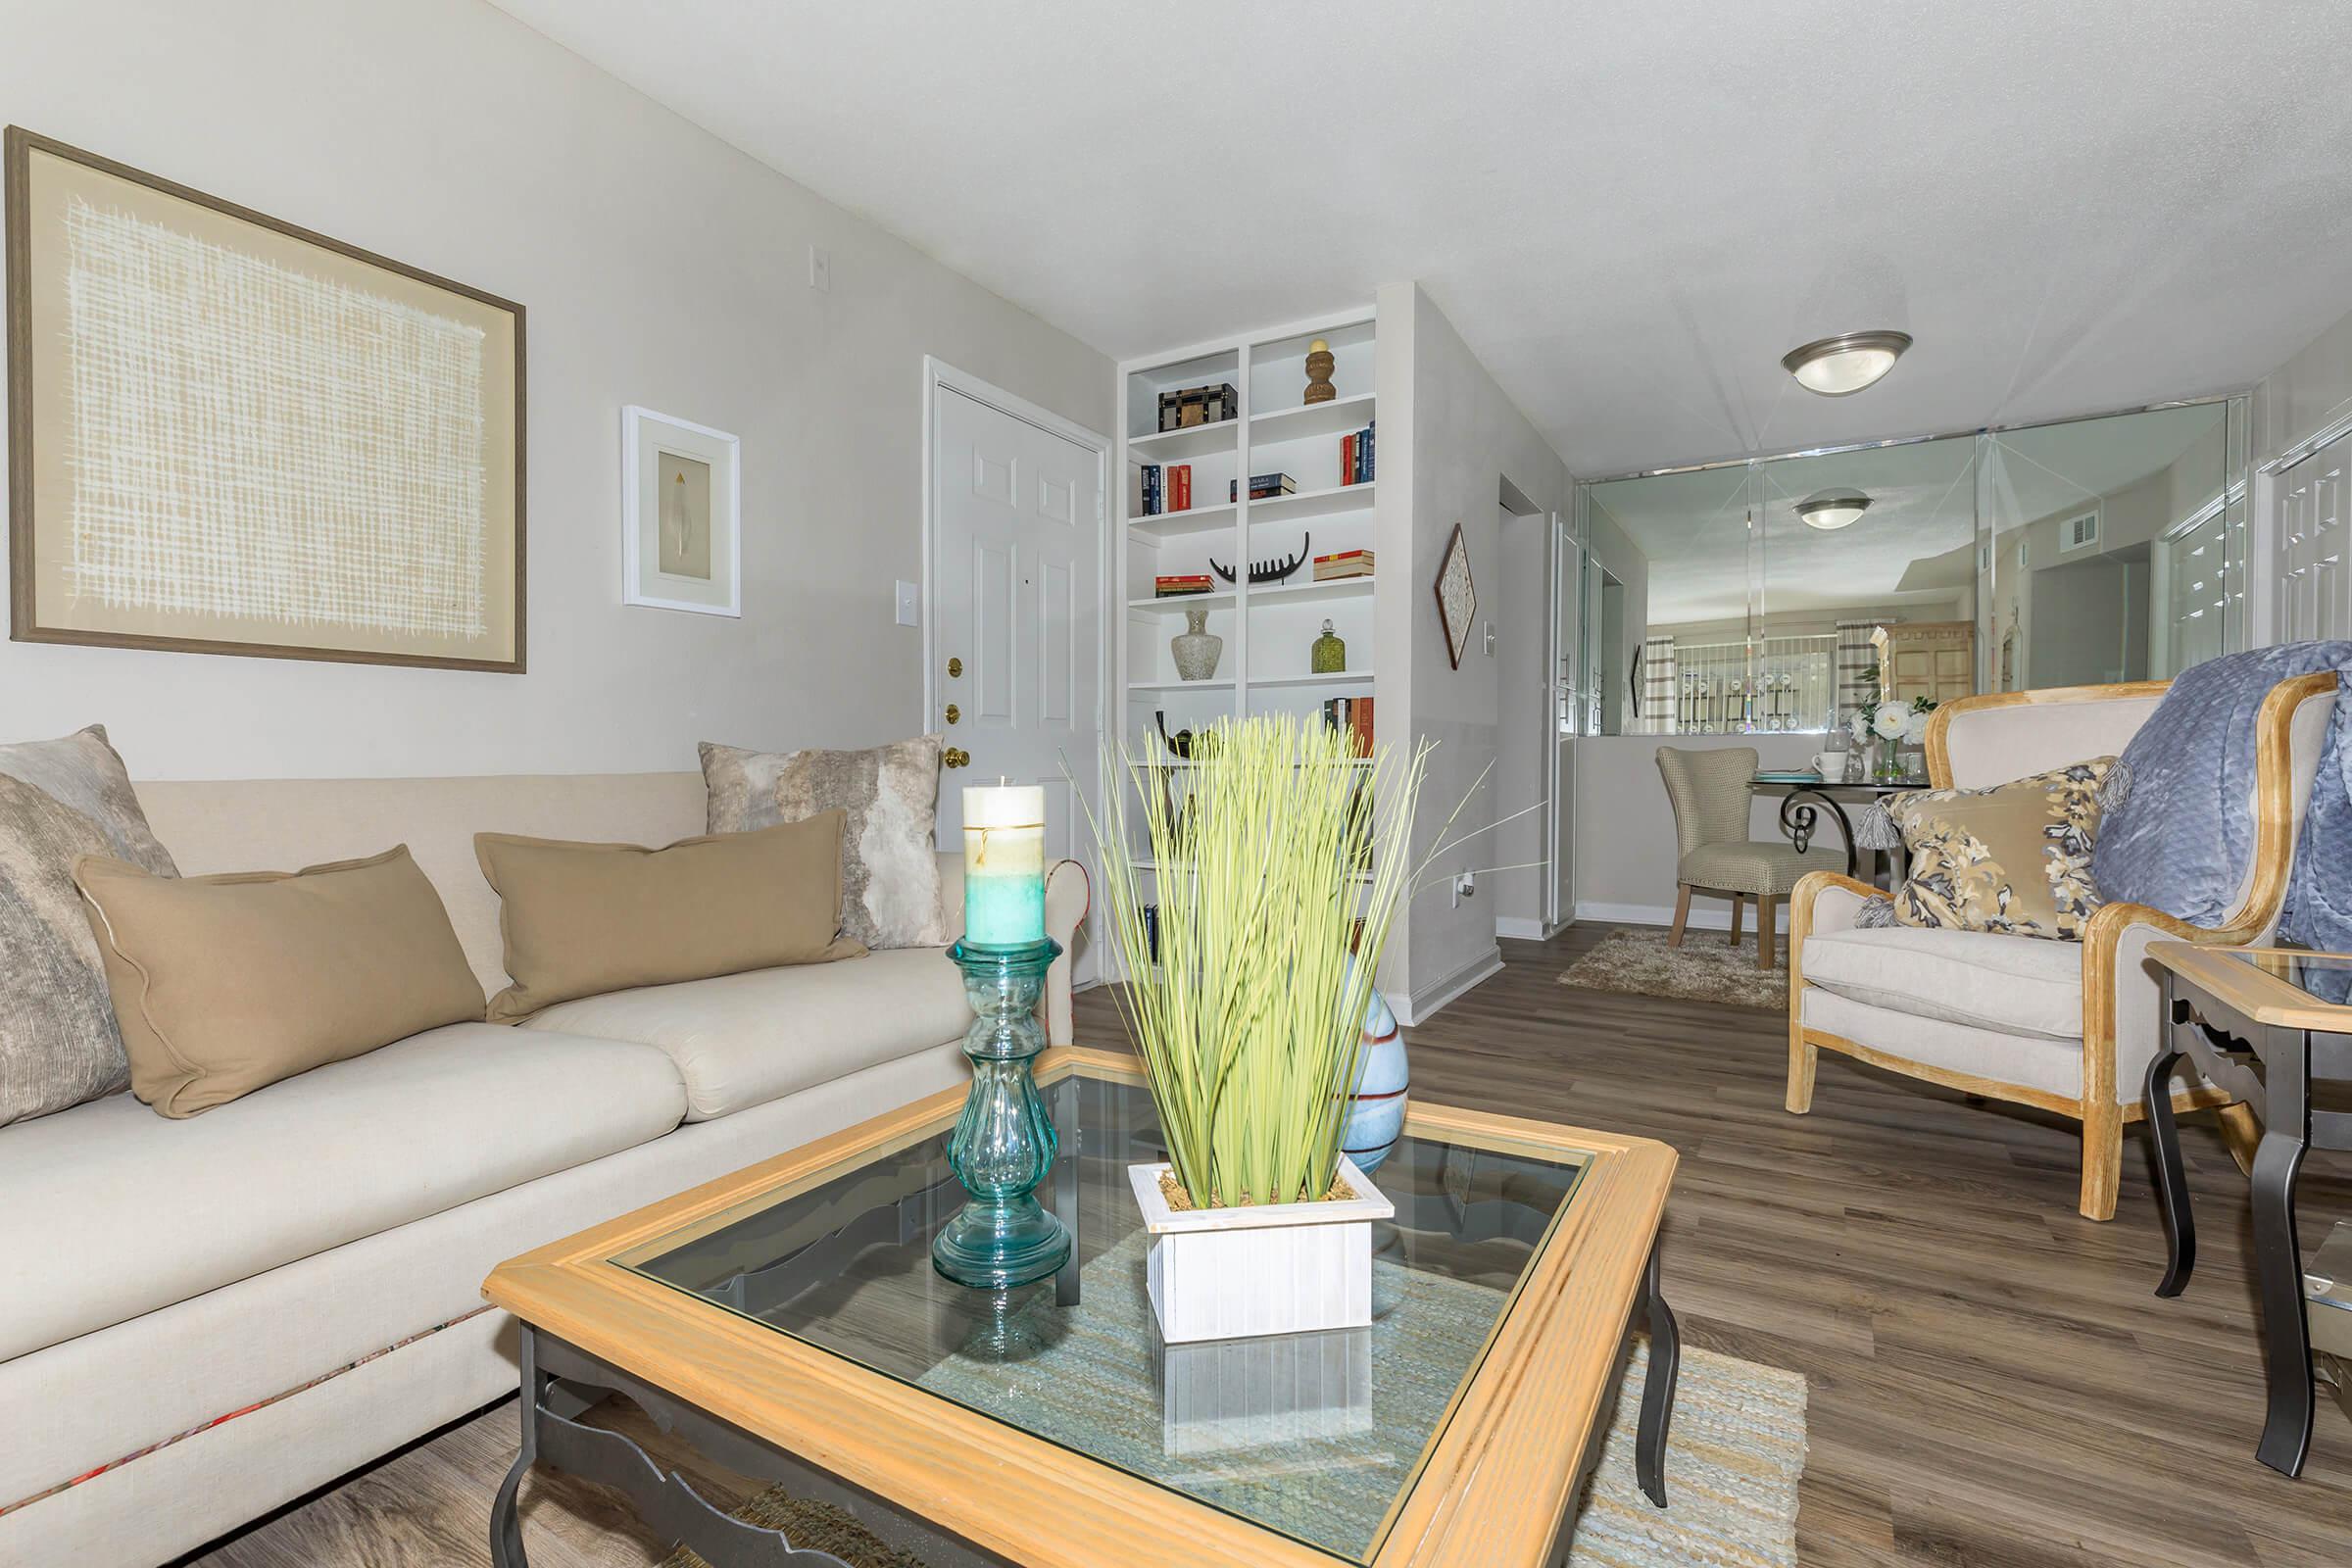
(741, 1039)
(2013, 860)
(2027, 1061)
(226, 983)
(113, 1211)
(585, 919)
(2015, 985)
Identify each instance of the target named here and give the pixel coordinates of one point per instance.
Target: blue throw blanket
(2183, 837)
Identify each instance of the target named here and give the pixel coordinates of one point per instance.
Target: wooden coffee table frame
(1494, 1488)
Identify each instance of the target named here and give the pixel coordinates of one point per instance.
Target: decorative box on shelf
(1186, 407)
(1267, 1268)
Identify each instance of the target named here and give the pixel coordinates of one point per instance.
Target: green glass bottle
(1330, 655)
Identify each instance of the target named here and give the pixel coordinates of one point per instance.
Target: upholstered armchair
(1713, 854)
(2069, 1027)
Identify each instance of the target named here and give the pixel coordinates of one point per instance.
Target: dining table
(1805, 796)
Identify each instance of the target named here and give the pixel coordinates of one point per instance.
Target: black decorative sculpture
(1269, 570)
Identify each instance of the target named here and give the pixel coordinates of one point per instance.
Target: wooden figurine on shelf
(1318, 373)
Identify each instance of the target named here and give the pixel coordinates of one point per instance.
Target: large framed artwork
(682, 538)
(230, 435)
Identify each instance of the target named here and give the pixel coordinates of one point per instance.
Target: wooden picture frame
(235, 435)
(1457, 596)
(697, 568)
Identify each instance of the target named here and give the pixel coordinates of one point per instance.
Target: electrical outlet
(1465, 886)
(820, 270)
(909, 604)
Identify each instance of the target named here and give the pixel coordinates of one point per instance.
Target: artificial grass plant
(1262, 854)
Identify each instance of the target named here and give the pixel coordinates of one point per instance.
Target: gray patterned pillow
(82, 771)
(59, 800)
(889, 871)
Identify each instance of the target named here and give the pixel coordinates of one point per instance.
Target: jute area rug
(1706, 967)
(1735, 1451)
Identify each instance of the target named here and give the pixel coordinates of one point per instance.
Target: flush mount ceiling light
(1832, 509)
(1836, 365)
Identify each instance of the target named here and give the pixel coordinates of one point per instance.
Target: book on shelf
(1263, 486)
(1352, 715)
(1148, 494)
(1355, 456)
(1180, 487)
(1178, 584)
(1344, 563)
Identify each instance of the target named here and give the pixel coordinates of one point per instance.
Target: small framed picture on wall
(681, 543)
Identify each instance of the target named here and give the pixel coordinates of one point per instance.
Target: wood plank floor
(1995, 1384)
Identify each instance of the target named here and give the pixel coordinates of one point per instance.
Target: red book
(1346, 460)
(1180, 487)
(1359, 723)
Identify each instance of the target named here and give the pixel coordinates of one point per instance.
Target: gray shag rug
(1706, 967)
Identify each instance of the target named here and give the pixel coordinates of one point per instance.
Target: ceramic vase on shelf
(1329, 655)
(1196, 648)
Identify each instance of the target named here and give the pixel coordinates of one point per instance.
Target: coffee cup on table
(1829, 765)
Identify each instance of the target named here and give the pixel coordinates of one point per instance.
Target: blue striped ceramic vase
(1375, 1109)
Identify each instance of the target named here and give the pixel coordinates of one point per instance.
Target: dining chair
(1710, 793)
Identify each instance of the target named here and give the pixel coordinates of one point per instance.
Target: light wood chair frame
(2101, 1114)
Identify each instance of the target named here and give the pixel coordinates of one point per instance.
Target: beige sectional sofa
(203, 1319)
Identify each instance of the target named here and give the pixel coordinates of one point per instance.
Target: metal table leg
(2278, 1259)
(2171, 1181)
(1658, 1390)
(506, 1531)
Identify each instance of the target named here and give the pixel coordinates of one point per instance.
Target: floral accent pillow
(2014, 858)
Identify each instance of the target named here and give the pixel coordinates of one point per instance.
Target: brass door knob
(954, 757)
(953, 712)
(954, 667)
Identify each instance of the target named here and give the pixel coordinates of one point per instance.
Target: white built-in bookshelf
(1268, 627)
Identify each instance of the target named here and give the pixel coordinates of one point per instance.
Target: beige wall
(658, 266)
(2307, 394)
(1459, 437)
(1625, 846)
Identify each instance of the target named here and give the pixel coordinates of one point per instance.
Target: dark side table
(2265, 1025)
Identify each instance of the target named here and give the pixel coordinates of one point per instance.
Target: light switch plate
(909, 604)
(1490, 639)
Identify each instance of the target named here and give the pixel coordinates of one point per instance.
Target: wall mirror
(1773, 596)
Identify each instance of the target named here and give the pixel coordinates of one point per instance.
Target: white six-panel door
(1017, 555)
(2312, 587)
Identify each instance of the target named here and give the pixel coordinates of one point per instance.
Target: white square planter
(1276, 1268)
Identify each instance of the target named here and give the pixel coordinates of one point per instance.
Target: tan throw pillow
(890, 796)
(581, 919)
(224, 984)
(2014, 858)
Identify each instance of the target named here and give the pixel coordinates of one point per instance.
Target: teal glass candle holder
(1005, 1143)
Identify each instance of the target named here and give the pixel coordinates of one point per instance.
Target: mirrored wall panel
(1781, 594)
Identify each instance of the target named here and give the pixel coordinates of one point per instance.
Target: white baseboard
(1519, 928)
(1718, 918)
(1424, 1004)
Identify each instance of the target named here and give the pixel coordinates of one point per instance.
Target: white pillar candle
(1005, 864)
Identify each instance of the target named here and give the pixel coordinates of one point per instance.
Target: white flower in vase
(1915, 726)
(1857, 724)
(1889, 722)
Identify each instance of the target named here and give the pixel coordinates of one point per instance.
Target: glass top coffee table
(787, 1321)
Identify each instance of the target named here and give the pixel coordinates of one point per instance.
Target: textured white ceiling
(1628, 211)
